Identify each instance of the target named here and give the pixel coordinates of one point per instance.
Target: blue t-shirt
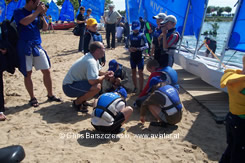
(30, 32)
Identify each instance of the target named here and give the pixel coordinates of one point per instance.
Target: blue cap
(135, 25)
(155, 80)
(113, 65)
(122, 91)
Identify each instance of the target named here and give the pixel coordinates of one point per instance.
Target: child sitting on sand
(164, 103)
(120, 77)
(92, 35)
(110, 112)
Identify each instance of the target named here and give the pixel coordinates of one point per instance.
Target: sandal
(2, 117)
(80, 107)
(86, 104)
(83, 109)
(158, 124)
(53, 98)
(33, 102)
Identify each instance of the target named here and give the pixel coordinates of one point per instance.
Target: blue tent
(67, 11)
(53, 11)
(2, 10)
(97, 7)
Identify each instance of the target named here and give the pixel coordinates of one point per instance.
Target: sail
(67, 11)
(237, 39)
(10, 9)
(134, 10)
(21, 3)
(195, 16)
(97, 7)
(170, 7)
(53, 11)
(2, 10)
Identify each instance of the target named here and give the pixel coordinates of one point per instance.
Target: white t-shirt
(114, 107)
(85, 68)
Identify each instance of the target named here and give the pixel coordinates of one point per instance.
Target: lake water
(221, 37)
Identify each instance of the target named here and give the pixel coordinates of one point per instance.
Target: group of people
(85, 78)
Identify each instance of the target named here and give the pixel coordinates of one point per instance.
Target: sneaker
(53, 98)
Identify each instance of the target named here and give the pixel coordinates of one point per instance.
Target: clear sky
(120, 4)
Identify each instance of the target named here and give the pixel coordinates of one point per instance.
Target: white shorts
(39, 62)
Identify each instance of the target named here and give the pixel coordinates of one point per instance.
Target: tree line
(219, 10)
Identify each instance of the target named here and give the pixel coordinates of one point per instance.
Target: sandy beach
(55, 132)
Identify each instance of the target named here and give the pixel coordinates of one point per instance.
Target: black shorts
(118, 120)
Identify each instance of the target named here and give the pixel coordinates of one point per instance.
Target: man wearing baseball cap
(168, 40)
(111, 18)
(156, 48)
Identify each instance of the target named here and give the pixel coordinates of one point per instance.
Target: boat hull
(204, 67)
(64, 26)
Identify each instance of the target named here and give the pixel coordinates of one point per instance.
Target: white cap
(160, 16)
(169, 18)
(111, 5)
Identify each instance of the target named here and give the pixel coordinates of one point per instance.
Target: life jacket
(172, 76)
(119, 72)
(137, 40)
(172, 98)
(104, 101)
(170, 32)
(95, 36)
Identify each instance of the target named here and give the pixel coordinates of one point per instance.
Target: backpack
(77, 31)
(10, 37)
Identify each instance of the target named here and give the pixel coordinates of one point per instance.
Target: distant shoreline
(218, 19)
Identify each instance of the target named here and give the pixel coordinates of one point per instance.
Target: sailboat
(211, 70)
(66, 14)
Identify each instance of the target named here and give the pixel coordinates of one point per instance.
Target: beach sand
(55, 132)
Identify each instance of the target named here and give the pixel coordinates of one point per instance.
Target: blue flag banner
(10, 9)
(21, 3)
(195, 15)
(2, 10)
(237, 39)
(177, 8)
(67, 11)
(134, 10)
(97, 7)
(53, 11)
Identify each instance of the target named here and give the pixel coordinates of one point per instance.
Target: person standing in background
(81, 22)
(89, 11)
(111, 18)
